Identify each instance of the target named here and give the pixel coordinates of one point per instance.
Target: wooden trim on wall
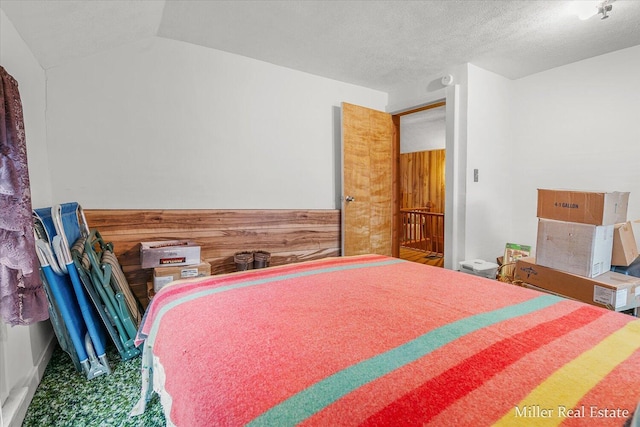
(423, 108)
(289, 235)
(396, 218)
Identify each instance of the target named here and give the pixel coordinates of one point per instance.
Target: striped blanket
(372, 340)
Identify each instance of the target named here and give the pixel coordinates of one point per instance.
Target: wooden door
(369, 194)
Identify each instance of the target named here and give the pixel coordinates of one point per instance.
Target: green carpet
(66, 398)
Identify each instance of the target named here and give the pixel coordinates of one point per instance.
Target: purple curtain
(22, 297)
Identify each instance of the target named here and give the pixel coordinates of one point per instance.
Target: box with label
(597, 208)
(169, 252)
(610, 290)
(512, 252)
(625, 247)
(165, 275)
(581, 249)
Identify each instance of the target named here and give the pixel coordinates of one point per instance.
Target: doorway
(421, 177)
(389, 232)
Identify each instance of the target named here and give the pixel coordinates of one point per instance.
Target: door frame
(381, 123)
(455, 170)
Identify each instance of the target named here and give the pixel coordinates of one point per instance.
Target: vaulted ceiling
(376, 44)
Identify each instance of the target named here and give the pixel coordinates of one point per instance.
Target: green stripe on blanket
(313, 399)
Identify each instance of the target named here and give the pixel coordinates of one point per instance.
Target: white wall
(489, 140)
(25, 351)
(18, 60)
(423, 131)
(576, 127)
(166, 124)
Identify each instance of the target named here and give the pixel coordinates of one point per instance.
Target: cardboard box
(581, 249)
(625, 248)
(512, 252)
(597, 208)
(610, 290)
(164, 275)
(169, 252)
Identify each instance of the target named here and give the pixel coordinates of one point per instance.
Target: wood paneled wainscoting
(289, 235)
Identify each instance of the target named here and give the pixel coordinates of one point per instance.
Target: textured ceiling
(377, 44)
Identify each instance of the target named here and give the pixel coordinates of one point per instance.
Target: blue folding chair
(61, 224)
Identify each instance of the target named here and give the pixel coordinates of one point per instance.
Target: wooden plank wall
(422, 180)
(289, 235)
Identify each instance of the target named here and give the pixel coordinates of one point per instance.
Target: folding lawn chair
(80, 323)
(107, 287)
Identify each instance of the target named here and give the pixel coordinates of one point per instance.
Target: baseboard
(46, 357)
(15, 408)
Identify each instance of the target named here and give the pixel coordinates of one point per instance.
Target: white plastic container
(479, 267)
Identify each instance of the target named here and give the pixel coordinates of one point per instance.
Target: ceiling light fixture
(586, 9)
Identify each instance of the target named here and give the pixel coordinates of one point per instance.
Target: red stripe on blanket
(265, 343)
(435, 395)
(488, 403)
(367, 400)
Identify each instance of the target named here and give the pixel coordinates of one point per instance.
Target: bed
(374, 340)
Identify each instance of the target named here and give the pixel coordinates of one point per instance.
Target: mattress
(374, 340)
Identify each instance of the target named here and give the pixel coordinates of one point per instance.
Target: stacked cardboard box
(575, 229)
(162, 276)
(611, 290)
(169, 252)
(172, 260)
(574, 249)
(625, 247)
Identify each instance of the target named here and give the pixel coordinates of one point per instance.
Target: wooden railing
(422, 230)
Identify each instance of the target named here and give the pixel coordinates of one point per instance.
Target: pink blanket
(371, 340)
